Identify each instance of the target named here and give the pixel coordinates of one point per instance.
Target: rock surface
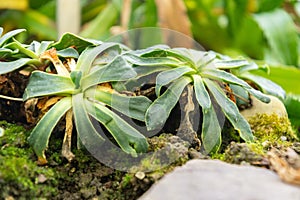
(216, 180)
(259, 107)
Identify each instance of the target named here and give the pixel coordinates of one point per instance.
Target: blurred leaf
(280, 32)
(292, 105)
(99, 27)
(146, 12)
(285, 76)
(251, 44)
(46, 7)
(265, 85)
(267, 5)
(235, 11)
(40, 24)
(38, 4)
(14, 4)
(91, 9)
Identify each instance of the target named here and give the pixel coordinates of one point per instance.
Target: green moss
(218, 156)
(257, 148)
(272, 130)
(268, 130)
(19, 174)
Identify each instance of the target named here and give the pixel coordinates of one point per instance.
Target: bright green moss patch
(272, 130)
(269, 131)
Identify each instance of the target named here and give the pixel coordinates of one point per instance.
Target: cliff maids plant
(179, 67)
(71, 85)
(82, 97)
(81, 81)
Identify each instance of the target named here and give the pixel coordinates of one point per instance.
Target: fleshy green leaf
(72, 40)
(86, 131)
(21, 48)
(39, 47)
(6, 67)
(152, 51)
(185, 55)
(88, 56)
(130, 140)
(117, 70)
(132, 106)
(168, 76)
(9, 35)
(161, 108)
(230, 110)
(76, 78)
(108, 55)
(4, 52)
(143, 71)
(262, 97)
(225, 76)
(44, 84)
(40, 135)
(201, 93)
(68, 53)
(211, 130)
(230, 64)
(151, 61)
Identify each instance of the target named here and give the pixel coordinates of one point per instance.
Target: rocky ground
(237, 171)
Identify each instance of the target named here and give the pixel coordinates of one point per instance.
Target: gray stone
(216, 180)
(259, 107)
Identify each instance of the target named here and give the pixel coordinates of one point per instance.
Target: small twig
(10, 98)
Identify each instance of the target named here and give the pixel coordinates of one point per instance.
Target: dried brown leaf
(66, 146)
(51, 55)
